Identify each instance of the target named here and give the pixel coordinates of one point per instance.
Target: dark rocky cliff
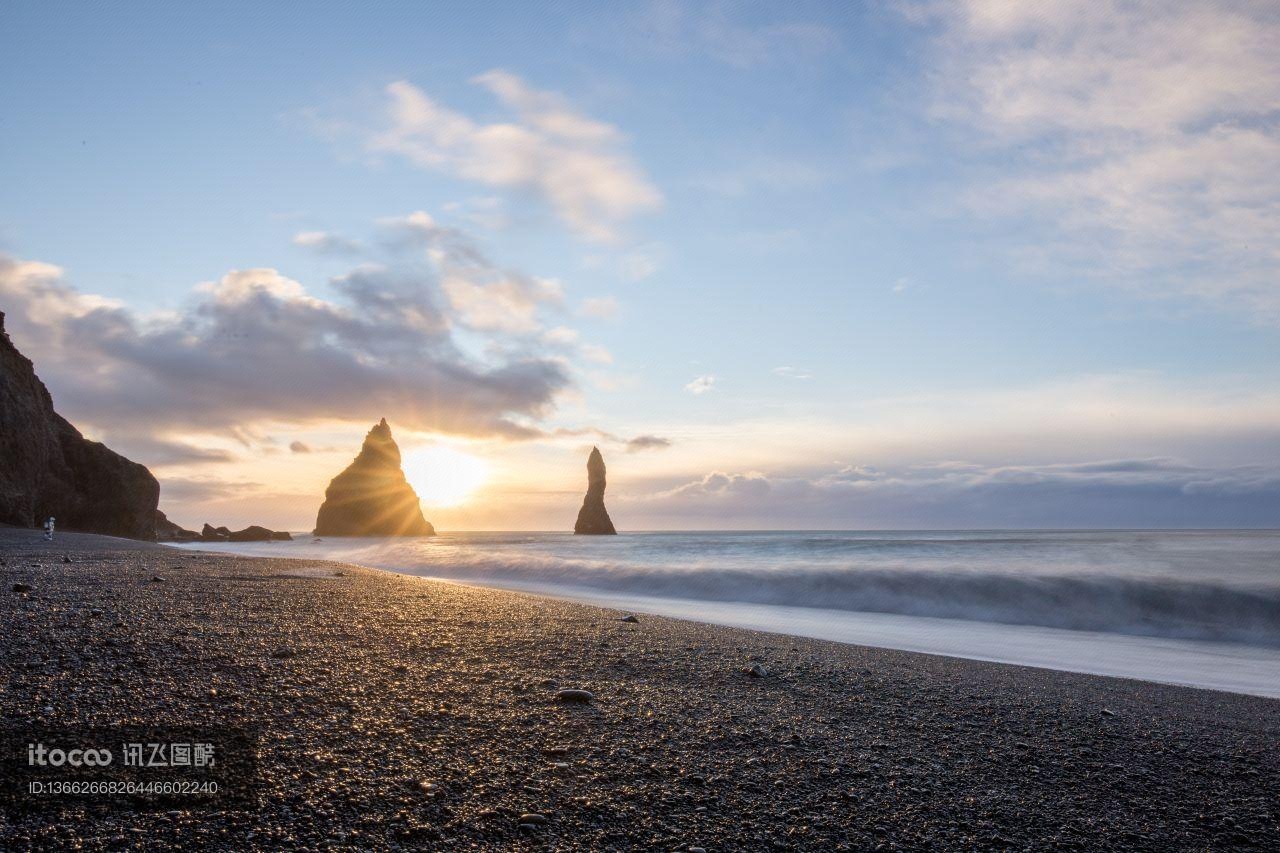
(593, 518)
(47, 468)
(372, 497)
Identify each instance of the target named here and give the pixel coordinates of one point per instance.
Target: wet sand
(365, 685)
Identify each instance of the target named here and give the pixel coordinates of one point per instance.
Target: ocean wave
(1144, 606)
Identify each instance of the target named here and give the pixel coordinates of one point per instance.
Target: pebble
(533, 818)
(757, 671)
(22, 587)
(630, 617)
(1107, 712)
(157, 579)
(572, 695)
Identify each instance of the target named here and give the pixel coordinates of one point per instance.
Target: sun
(443, 476)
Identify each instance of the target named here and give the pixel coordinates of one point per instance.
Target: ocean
(1199, 608)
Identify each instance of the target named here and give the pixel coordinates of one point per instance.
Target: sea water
(1200, 608)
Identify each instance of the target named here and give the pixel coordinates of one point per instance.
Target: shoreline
(839, 747)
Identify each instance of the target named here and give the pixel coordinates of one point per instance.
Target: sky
(803, 265)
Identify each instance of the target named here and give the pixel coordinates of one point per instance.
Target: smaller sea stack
(593, 518)
(372, 497)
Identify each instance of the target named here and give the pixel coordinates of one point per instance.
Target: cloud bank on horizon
(1018, 260)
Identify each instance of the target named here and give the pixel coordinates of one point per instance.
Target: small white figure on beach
(48, 529)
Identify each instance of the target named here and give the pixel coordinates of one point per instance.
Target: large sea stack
(593, 518)
(47, 468)
(372, 497)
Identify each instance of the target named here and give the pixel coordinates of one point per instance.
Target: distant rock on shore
(252, 533)
(209, 533)
(372, 497)
(593, 518)
(168, 531)
(256, 533)
(47, 468)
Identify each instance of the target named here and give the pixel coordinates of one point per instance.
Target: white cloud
(791, 373)
(596, 353)
(1145, 134)
(701, 384)
(578, 164)
(492, 300)
(256, 346)
(416, 226)
(326, 243)
(901, 284)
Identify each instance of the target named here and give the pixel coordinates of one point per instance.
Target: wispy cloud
(326, 243)
(791, 373)
(701, 384)
(578, 164)
(602, 307)
(1145, 135)
(647, 442)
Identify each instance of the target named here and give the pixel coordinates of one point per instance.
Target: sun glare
(443, 476)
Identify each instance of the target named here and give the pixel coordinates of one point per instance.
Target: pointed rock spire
(372, 497)
(593, 518)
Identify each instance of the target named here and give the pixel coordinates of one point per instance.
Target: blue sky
(882, 237)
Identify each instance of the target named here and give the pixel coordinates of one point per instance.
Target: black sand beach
(398, 713)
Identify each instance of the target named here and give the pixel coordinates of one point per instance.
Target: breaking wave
(1188, 585)
(1149, 607)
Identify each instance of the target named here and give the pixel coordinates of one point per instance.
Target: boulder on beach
(47, 468)
(372, 497)
(168, 531)
(593, 518)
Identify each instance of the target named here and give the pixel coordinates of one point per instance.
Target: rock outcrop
(593, 518)
(372, 497)
(47, 468)
(168, 531)
(257, 533)
(209, 533)
(252, 533)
